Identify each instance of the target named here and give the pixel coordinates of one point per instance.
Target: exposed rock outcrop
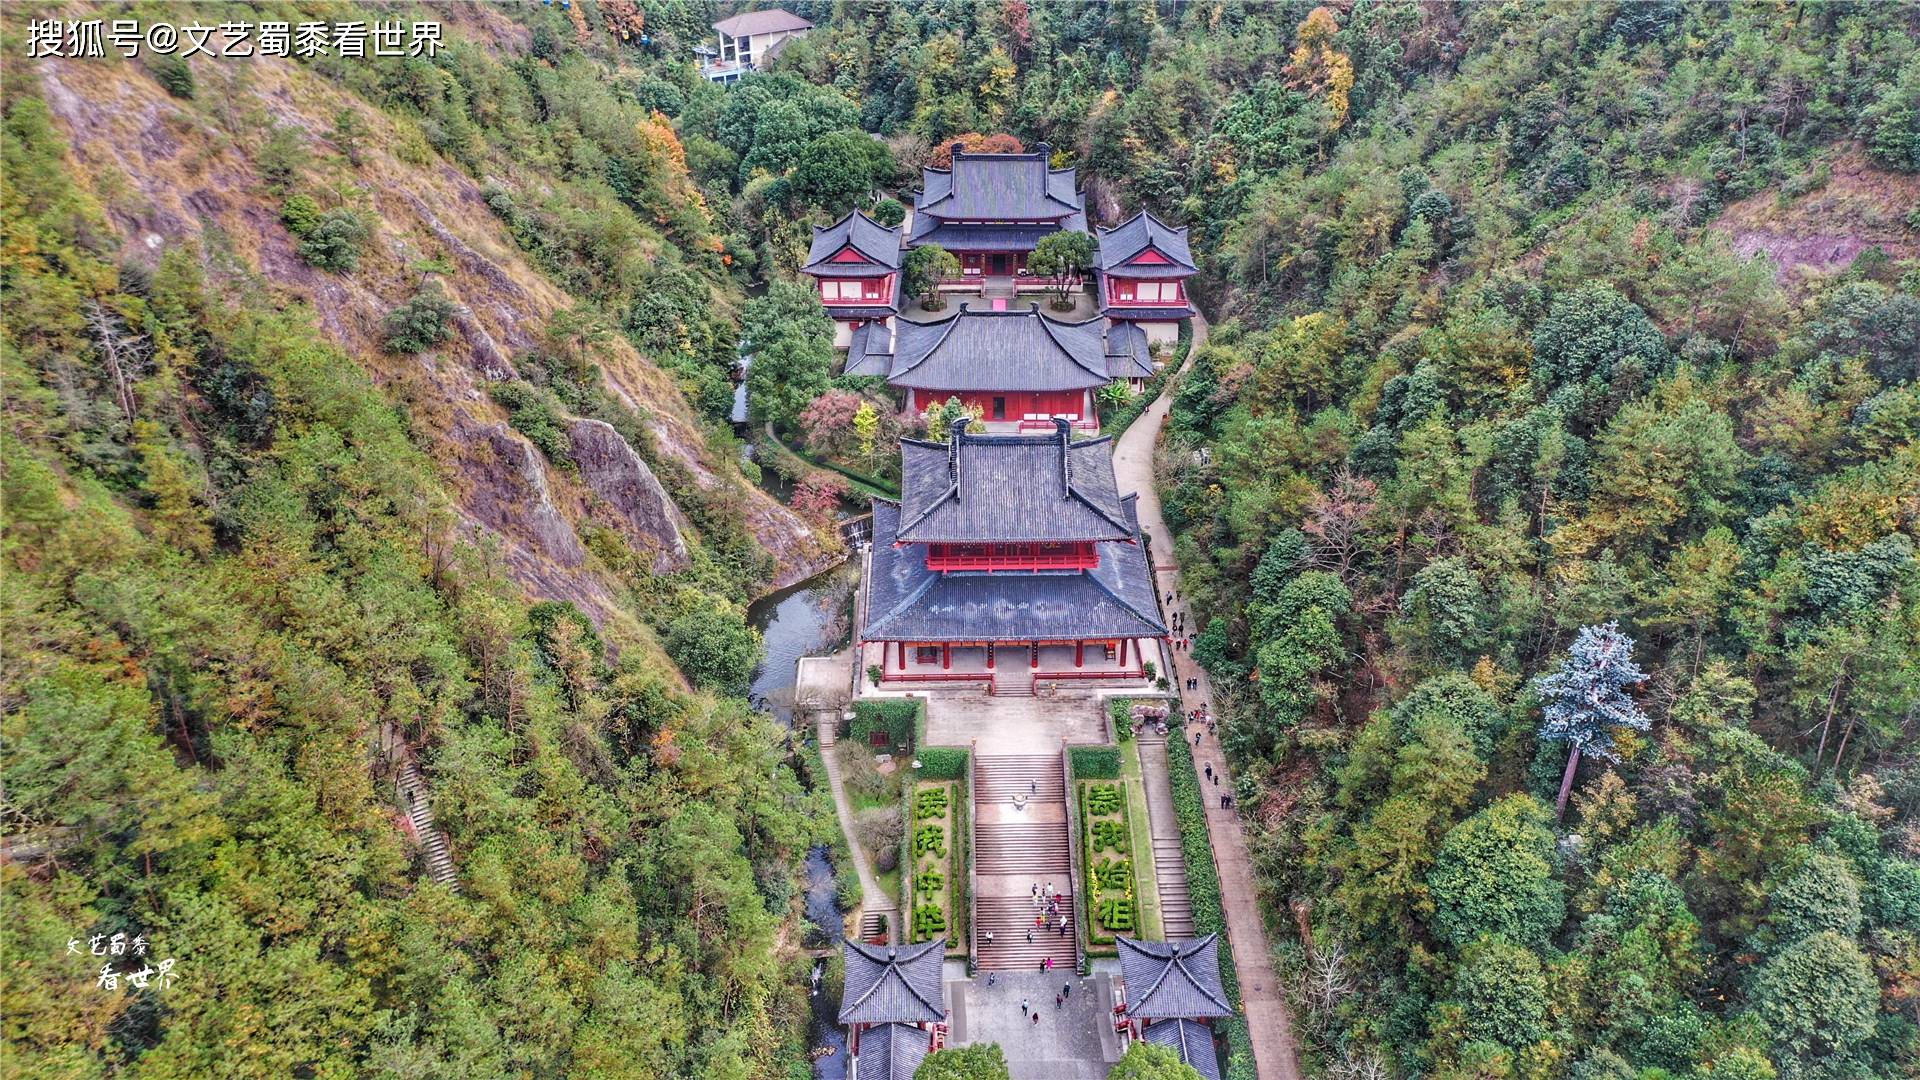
(631, 496)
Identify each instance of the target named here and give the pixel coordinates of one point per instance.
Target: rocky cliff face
(182, 173)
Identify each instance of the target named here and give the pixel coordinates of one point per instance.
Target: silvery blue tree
(1586, 699)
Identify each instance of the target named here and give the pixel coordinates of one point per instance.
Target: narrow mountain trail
(1268, 1021)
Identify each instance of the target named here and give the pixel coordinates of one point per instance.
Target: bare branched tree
(124, 353)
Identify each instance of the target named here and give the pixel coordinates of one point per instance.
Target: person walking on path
(1058, 1001)
(989, 940)
(1029, 935)
(1023, 1006)
(1036, 1019)
(1067, 990)
(1209, 770)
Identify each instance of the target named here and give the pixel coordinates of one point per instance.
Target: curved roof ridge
(1048, 327)
(946, 326)
(1150, 618)
(894, 958)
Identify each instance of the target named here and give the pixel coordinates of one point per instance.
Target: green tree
(1586, 699)
(715, 647)
(889, 211)
(1816, 999)
(1147, 1061)
(1064, 256)
(1501, 994)
(334, 241)
(1493, 874)
(1823, 895)
(924, 268)
(836, 170)
(422, 322)
(349, 133)
(976, 1062)
(787, 374)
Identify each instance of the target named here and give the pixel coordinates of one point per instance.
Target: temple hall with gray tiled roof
(892, 1052)
(1009, 542)
(879, 245)
(1168, 980)
(1141, 274)
(893, 984)
(992, 210)
(1190, 1040)
(1010, 488)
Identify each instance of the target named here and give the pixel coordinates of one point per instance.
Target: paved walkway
(1260, 996)
(876, 901)
(1071, 1042)
(1169, 860)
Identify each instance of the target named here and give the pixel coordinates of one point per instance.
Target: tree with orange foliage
(1316, 67)
(973, 143)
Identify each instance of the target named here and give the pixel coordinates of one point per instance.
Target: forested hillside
(360, 412)
(339, 437)
(1528, 318)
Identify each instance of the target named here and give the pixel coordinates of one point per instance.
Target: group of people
(1059, 1001)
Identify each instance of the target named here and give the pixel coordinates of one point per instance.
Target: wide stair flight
(1013, 850)
(413, 795)
(1169, 861)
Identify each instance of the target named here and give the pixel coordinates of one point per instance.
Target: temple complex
(1016, 370)
(1011, 560)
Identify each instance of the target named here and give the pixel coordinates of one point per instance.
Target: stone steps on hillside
(415, 800)
(1014, 851)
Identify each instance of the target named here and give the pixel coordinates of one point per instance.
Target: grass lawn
(1146, 881)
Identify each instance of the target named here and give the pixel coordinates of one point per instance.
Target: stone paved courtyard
(1011, 725)
(1070, 1043)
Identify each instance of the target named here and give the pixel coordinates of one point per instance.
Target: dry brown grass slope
(173, 172)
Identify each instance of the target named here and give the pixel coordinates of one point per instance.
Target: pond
(812, 618)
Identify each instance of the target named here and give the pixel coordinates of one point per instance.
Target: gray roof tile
(865, 235)
(908, 602)
(1169, 979)
(1128, 239)
(999, 350)
(893, 1052)
(1000, 187)
(1128, 354)
(893, 983)
(1011, 488)
(1190, 1039)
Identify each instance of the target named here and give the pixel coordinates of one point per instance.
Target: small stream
(811, 618)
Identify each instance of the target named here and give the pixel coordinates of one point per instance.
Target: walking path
(1268, 1021)
(875, 900)
(1169, 863)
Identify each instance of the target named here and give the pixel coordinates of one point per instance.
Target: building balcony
(725, 70)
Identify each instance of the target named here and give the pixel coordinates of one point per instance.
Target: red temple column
(903, 656)
(1033, 654)
(946, 655)
(1079, 654)
(1123, 652)
(989, 656)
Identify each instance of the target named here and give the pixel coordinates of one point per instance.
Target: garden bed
(1203, 887)
(1110, 889)
(934, 846)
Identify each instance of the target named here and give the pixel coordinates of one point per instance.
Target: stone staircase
(415, 799)
(1169, 862)
(1013, 853)
(1013, 680)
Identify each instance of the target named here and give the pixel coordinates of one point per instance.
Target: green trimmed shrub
(1095, 762)
(894, 716)
(930, 840)
(1103, 799)
(942, 763)
(931, 803)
